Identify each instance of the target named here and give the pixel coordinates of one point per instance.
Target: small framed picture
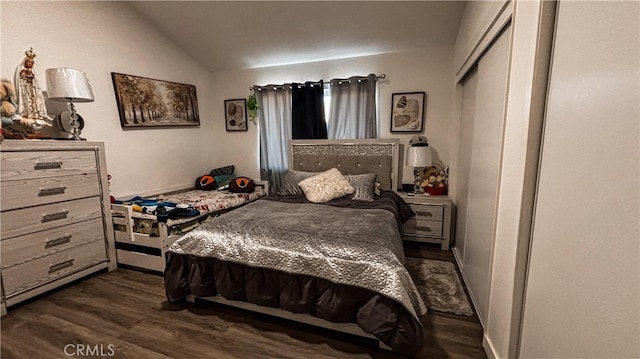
(235, 114)
(407, 111)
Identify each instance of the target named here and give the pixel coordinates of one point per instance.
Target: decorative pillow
(290, 182)
(326, 186)
(242, 185)
(206, 183)
(223, 180)
(364, 185)
(221, 171)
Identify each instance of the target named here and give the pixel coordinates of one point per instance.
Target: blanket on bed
(351, 246)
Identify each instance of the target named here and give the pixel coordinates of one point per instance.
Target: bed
(142, 239)
(337, 265)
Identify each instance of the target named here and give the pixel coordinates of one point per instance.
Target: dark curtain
(307, 111)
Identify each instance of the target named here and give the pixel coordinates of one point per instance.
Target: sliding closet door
(480, 160)
(466, 140)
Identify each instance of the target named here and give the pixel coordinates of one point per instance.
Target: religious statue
(31, 108)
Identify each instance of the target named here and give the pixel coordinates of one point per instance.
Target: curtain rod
(378, 77)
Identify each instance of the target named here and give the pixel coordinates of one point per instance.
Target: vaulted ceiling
(230, 35)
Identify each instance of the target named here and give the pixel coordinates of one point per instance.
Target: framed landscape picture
(407, 111)
(144, 102)
(235, 114)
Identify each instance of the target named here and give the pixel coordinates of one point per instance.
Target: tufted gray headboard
(379, 156)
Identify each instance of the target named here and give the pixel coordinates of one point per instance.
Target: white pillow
(326, 186)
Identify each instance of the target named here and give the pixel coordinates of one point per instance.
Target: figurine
(31, 107)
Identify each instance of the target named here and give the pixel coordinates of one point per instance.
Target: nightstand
(432, 222)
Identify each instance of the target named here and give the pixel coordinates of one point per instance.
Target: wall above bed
(428, 70)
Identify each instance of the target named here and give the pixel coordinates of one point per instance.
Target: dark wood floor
(124, 314)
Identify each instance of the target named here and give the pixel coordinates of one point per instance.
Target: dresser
(55, 215)
(432, 222)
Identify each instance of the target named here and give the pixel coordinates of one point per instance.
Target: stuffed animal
(8, 97)
(206, 183)
(242, 185)
(11, 127)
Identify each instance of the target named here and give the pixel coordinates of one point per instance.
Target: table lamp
(418, 156)
(69, 85)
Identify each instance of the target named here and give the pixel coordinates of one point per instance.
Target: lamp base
(417, 178)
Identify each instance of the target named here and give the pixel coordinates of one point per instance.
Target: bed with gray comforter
(341, 261)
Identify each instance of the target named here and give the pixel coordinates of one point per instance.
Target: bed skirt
(375, 314)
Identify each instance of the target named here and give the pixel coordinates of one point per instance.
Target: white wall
(583, 288)
(103, 37)
(428, 70)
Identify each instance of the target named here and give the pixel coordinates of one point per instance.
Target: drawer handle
(425, 214)
(54, 216)
(57, 241)
(426, 229)
(51, 191)
(60, 266)
(47, 165)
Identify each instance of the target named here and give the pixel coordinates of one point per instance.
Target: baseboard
(488, 348)
(464, 279)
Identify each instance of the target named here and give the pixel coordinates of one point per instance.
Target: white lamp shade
(65, 84)
(418, 156)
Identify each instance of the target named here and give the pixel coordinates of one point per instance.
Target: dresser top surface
(58, 145)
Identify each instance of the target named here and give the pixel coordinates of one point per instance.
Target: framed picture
(235, 114)
(407, 112)
(144, 102)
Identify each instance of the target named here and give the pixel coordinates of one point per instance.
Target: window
(326, 97)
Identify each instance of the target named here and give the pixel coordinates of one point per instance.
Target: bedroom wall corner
(105, 37)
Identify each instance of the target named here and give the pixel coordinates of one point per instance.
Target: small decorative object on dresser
(69, 85)
(433, 219)
(55, 222)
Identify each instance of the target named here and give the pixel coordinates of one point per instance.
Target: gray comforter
(356, 247)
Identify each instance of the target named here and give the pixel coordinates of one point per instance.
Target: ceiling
(231, 35)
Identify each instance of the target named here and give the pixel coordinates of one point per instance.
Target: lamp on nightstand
(418, 156)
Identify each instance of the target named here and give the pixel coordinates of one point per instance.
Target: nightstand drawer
(419, 227)
(34, 273)
(29, 220)
(39, 164)
(36, 245)
(37, 191)
(427, 212)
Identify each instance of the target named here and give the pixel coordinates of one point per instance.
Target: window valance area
(336, 81)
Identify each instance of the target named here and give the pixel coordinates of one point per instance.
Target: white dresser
(55, 215)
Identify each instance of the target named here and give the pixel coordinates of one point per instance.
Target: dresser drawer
(29, 220)
(428, 212)
(35, 245)
(37, 191)
(423, 228)
(30, 274)
(39, 164)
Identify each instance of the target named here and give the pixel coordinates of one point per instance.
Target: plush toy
(206, 183)
(242, 185)
(8, 97)
(12, 126)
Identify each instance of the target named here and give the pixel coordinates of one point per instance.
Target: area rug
(439, 285)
